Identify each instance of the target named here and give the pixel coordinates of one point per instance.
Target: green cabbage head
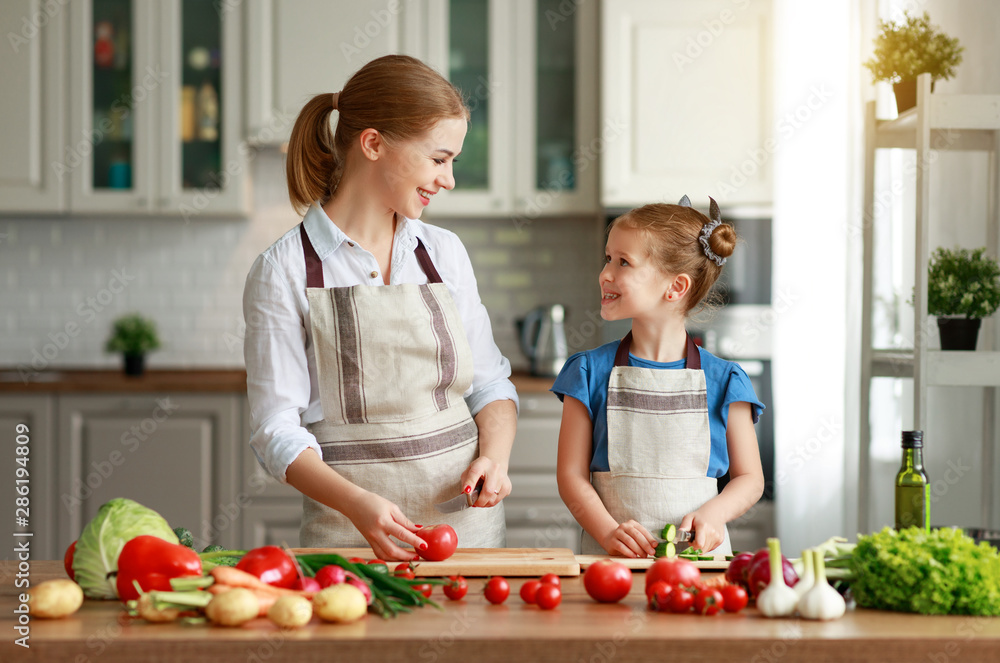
(97, 549)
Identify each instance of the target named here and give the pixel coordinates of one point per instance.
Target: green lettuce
(96, 558)
(941, 572)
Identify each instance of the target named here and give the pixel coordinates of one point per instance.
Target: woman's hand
(378, 519)
(496, 483)
(630, 539)
(709, 528)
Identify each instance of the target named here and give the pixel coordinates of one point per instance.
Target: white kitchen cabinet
(173, 453)
(528, 69)
(32, 107)
(156, 109)
(686, 99)
(26, 421)
(297, 49)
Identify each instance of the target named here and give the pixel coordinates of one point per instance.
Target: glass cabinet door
(111, 100)
(469, 71)
(555, 97)
(200, 97)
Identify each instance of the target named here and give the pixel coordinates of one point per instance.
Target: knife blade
(680, 536)
(463, 501)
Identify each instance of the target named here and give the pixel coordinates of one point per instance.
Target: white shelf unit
(939, 122)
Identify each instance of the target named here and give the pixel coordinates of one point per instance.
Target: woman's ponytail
(312, 166)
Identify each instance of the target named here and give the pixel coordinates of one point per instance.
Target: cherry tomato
(550, 579)
(529, 590)
(405, 570)
(607, 581)
(331, 574)
(708, 601)
(497, 589)
(548, 596)
(681, 600)
(68, 560)
(424, 588)
(357, 560)
(651, 589)
(456, 588)
(271, 564)
(734, 598)
(379, 565)
(660, 598)
(441, 542)
(674, 571)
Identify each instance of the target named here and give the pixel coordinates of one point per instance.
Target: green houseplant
(133, 336)
(911, 47)
(963, 287)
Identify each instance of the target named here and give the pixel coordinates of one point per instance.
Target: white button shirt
(281, 373)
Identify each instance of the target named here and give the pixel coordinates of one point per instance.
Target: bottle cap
(913, 439)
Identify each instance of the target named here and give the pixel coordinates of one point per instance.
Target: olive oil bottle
(913, 491)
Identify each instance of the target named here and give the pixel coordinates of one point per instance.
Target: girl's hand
(709, 529)
(496, 483)
(377, 519)
(630, 539)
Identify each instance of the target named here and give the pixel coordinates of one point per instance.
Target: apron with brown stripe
(392, 365)
(659, 445)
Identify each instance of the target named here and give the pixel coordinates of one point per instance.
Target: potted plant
(963, 287)
(909, 48)
(133, 336)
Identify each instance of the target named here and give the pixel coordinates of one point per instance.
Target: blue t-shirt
(585, 377)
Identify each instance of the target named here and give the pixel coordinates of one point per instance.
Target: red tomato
(497, 589)
(424, 588)
(331, 574)
(660, 599)
(734, 598)
(405, 570)
(548, 596)
(271, 564)
(708, 601)
(681, 600)
(441, 542)
(550, 579)
(607, 581)
(529, 590)
(357, 560)
(674, 571)
(651, 589)
(68, 560)
(456, 588)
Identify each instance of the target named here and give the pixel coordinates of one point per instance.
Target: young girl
(650, 422)
(375, 386)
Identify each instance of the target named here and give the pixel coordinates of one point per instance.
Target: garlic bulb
(807, 578)
(777, 599)
(822, 601)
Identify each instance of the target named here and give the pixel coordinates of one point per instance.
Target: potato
(233, 608)
(53, 599)
(291, 611)
(342, 603)
(147, 610)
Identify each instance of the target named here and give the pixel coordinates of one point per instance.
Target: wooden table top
(473, 630)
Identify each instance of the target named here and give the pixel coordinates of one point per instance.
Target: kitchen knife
(463, 501)
(671, 534)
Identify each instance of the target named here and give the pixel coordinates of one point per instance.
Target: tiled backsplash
(66, 279)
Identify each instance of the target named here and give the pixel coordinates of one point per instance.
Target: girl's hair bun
(723, 240)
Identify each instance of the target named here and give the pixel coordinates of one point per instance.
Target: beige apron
(659, 445)
(392, 365)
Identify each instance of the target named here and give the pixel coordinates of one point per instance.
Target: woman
(375, 386)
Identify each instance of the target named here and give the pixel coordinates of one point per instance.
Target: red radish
(307, 584)
(363, 586)
(331, 574)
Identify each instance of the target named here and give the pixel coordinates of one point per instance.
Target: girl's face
(415, 170)
(631, 285)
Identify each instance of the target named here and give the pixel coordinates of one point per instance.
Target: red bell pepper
(152, 562)
(271, 564)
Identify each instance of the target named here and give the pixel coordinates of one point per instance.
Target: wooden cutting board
(642, 564)
(480, 561)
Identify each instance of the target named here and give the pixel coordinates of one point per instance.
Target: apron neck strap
(693, 356)
(314, 266)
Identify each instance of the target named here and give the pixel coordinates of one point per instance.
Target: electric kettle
(543, 339)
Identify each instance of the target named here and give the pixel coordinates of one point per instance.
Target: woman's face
(415, 170)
